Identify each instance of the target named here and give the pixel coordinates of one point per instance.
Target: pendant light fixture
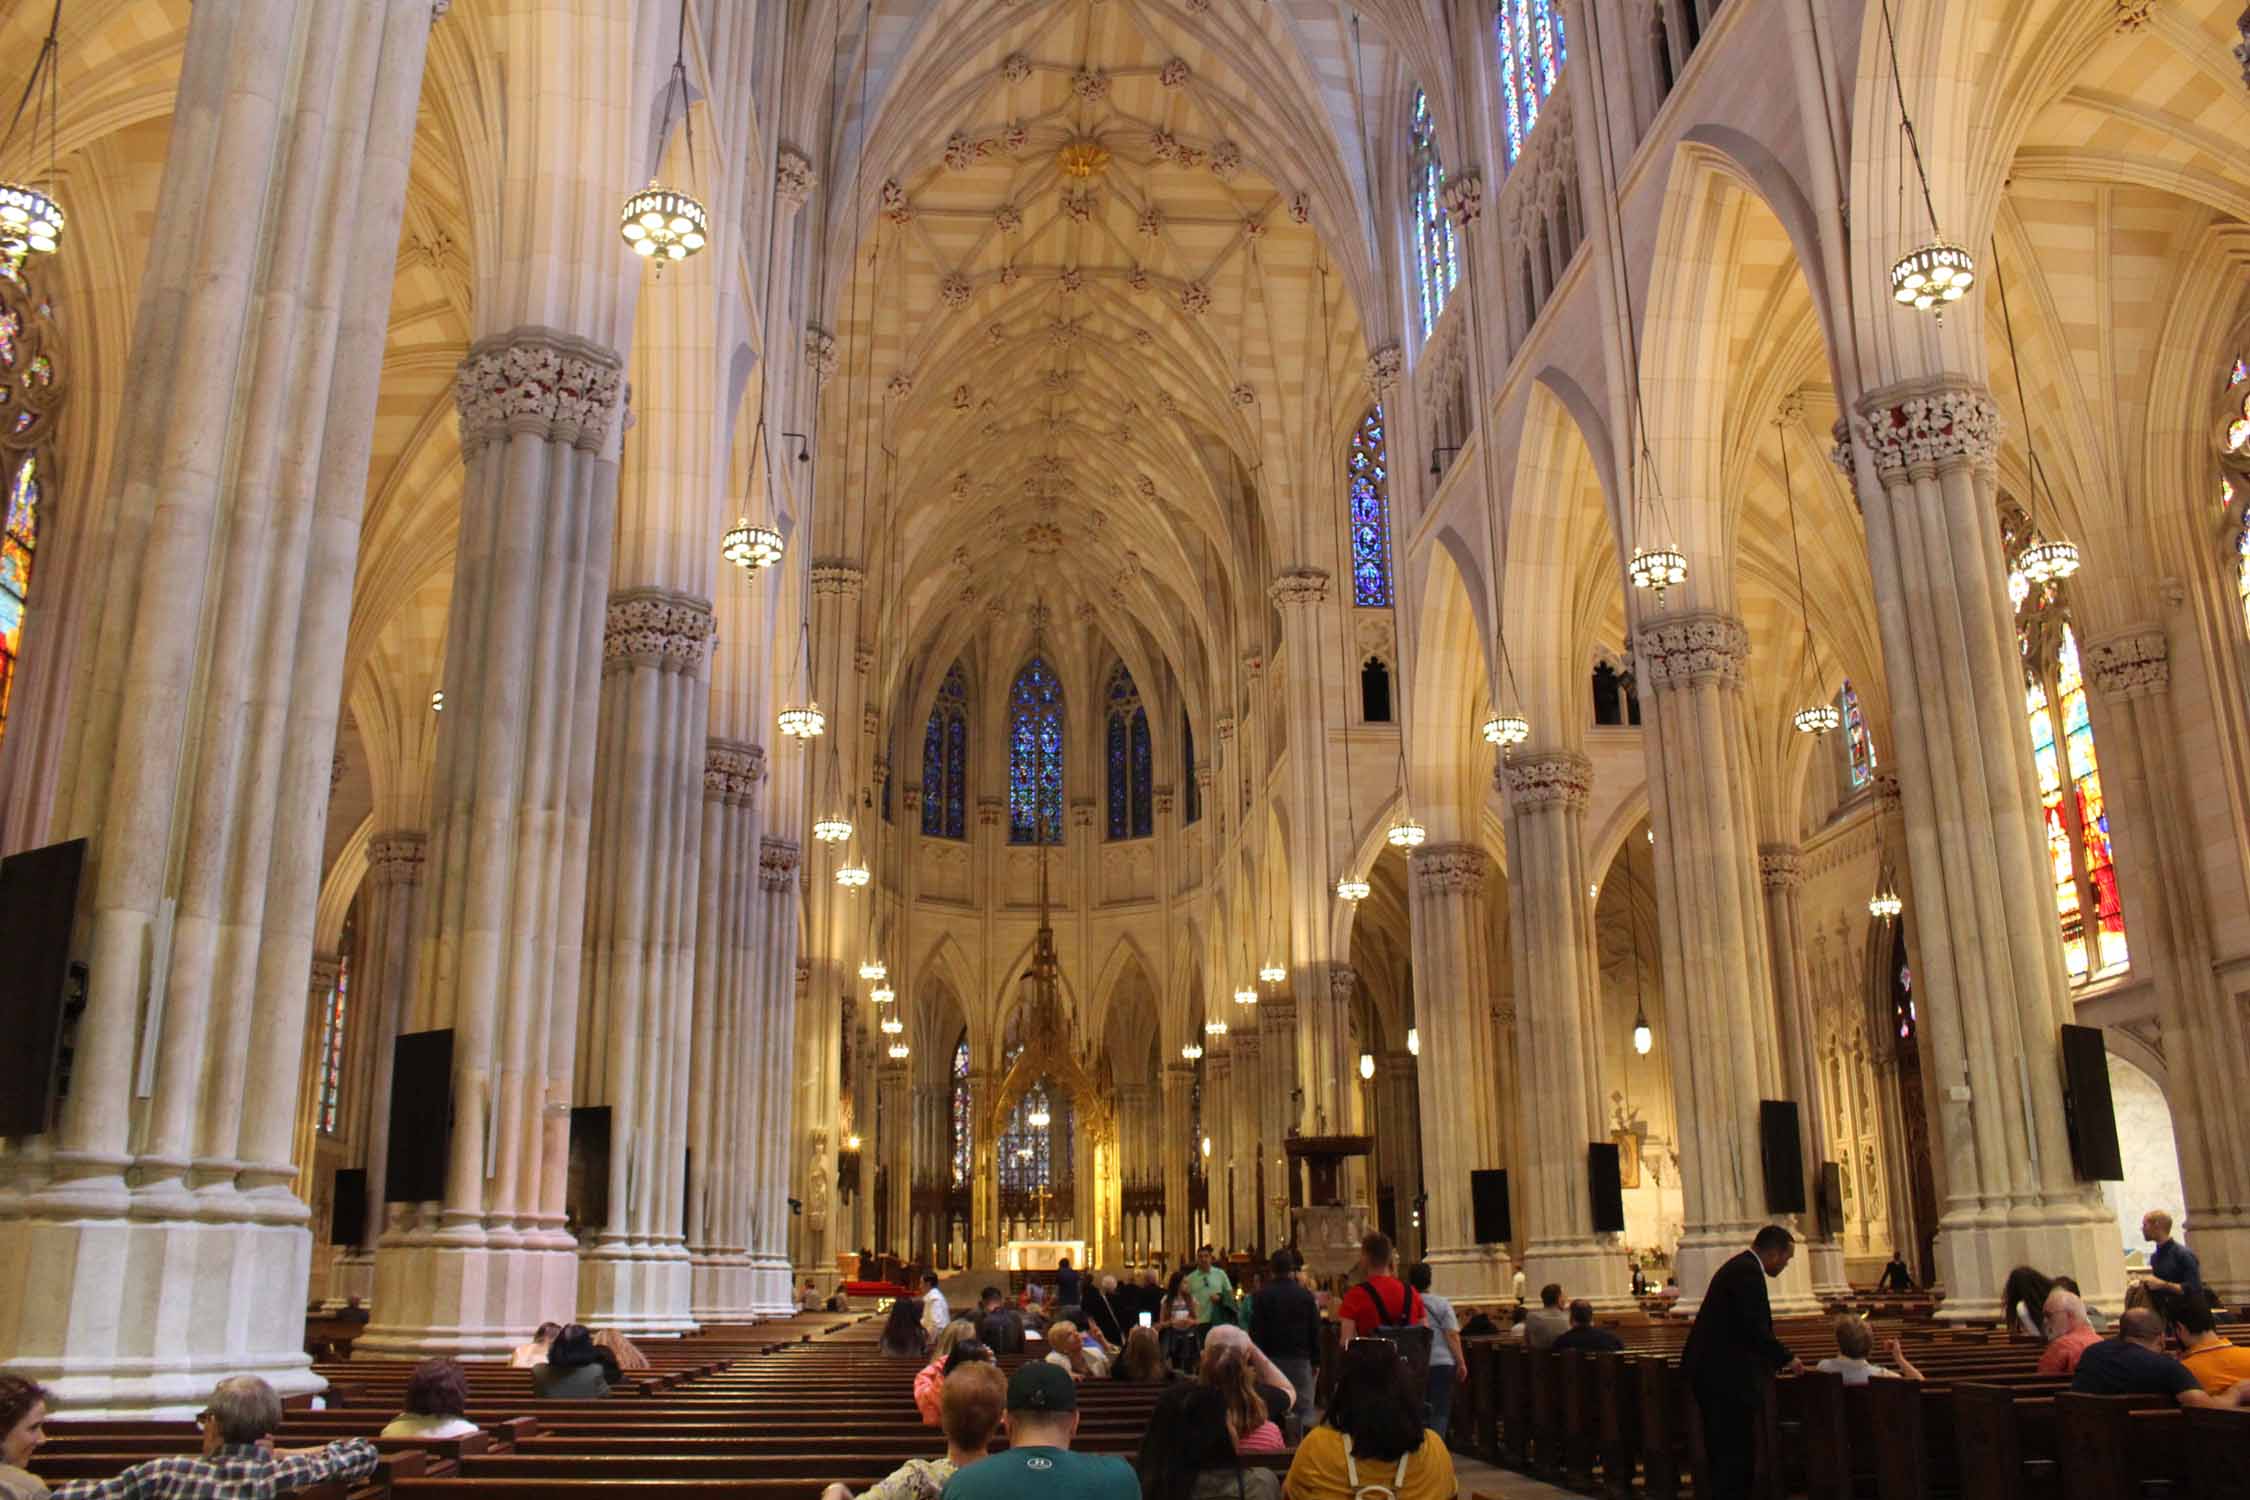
(1405, 832)
(875, 969)
(1352, 888)
(1246, 996)
(437, 701)
(1214, 1028)
(1821, 715)
(1413, 1041)
(833, 829)
(892, 1025)
(1507, 730)
(31, 222)
(1366, 1067)
(1936, 273)
(755, 547)
(900, 1052)
(664, 223)
(2042, 561)
(882, 994)
(1039, 1118)
(1272, 974)
(1192, 1052)
(1644, 1037)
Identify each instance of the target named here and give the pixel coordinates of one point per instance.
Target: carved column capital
(838, 575)
(654, 628)
(1924, 427)
(397, 857)
(1557, 778)
(2134, 663)
(777, 868)
(1702, 646)
(1463, 196)
(1450, 867)
(327, 968)
(1343, 981)
(820, 353)
(1504, 1012)
(732, 769)
(1300, 586)
(1781, 866)
(991, 810)
(539, 383)
(793, 177)
(1384, 367)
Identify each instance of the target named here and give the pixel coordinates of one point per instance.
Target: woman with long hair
(1142, 1361)
(620, 1349)
(1227, 1372)
(437, 1403)
(576, 1369)
(1188, 1452)
(1372, 1434)
(928, 1380)
(2023, 1301)
(902, 1331)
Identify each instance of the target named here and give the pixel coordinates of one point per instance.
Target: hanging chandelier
(2043, 561)
(750, 547)
(1246, 996)
(1366, 1067)
(834, 829)
(852, 876)
(437, 701)
(1406, 833)
(882, 994)
(1352, 888)
(1817, 718)
(1506, 730)
(1885, 903)
(662, 223)
(1643, 1038)
(1413, 1041)
(900, 1051)
(873, 968)
(1038, 1119)
(803, 721)
(1214, 1028)
(1193, 1052)
(892, 1025)
(1657, 568)
(1937, 273)
(1272, 974)
(31, 222)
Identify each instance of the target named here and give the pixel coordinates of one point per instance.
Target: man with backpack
(1382, 1306)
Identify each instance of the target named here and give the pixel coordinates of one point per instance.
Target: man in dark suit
(1731, 1342)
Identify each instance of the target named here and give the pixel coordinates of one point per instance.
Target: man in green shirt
(1204, 1284)
(1042, 1419)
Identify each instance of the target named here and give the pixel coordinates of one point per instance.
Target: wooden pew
(2109, 1447)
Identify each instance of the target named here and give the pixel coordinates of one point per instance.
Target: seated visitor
(1067, 1347)
(2218, 1364)
(1582, 1334)
(1188, 1452)
(238, 1461)
(620, 1349)
(926, 1379)
(902, 1330)
(23, 1418)
(1277, 1390)
(1042, 1419)
(2023, 1300)
(969, 1411)
(998, 1324)
(576, 1370)
(2069, 1333)
(808, 1297)
(437, 1400)
(1228, 1372)
(1671, 1292)
(535, 1352)
(1896, 1278)
(1105, 1308)
(1854, 1342)
(1548, 1321)
(1142, 1360)
(1372, 1434)
(2134, 1364)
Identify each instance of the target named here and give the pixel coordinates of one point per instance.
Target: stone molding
(820, 353)
(1781, 866)
(1300, 586)
(732, 769)
(397, 857)
(990, 810)
(327, 968)
(1384, 367)
(1504, 1011)
(656, 628)
(1919, 431)
(1278, 1014)
(1463, 196)
(1886, 793)
(838, 575)
(793, 177)
(1343, 981)
(1557, 778)
(2134, 663)
(1704, 646)
(540, 383)
(777, 871)
(1450, 867)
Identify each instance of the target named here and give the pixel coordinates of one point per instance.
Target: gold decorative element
(1082, 159)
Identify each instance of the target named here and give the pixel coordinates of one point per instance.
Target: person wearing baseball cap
(1042, 1419)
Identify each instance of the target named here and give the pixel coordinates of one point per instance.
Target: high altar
(1042, 1255)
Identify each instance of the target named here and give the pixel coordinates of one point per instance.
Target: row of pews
(1981, 1424)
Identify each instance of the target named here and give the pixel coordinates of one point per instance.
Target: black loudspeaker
(588, 1186)
(2087, 1109)
(421, 1116)
(347, 1210)
(1488, 1205)
(1605, 1187)
(1831, 1199)
(1784, 1153)
(38, 900)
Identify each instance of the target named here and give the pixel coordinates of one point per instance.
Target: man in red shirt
(2068, 1333)
(1380, 1299)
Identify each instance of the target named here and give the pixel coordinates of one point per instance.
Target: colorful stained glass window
(332, 1018)
(1859, 746)
(2242, 568)
(945, 760)
(1132, 798)
(1368, 472)
(1191, 792)
(964, 1133)
(2074, 816)
(19, 538)
(1030, 1159)
(1438, 269)
(1035, 755)
(1529, 36)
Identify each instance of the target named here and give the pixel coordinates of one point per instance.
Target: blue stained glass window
(945, 759)
(1368, 472)
(964, 1133)
(1529, 38)
(1035, 755)
(1191, 794)
(1437, 268)
(1131, 794)
(1144, 802)
(1859, 746)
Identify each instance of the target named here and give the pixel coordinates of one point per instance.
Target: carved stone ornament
(1450, 867)
(2132, 15)
(901, 385)
(2242, 48)
(1008, 217)
(1504, 1011)
(1300, 208)
(820, 354)
(1090, 85)
(1463, 197)
(896, 206)
(1226, 159)
(1562, 778)
(793, 177)
(1886, 793)
(990, 810)
(1149, 224)
(1781, 866)
(836, 575)
(1015, 67)
(1384, 367)
(2134, 664)
(1072, 279)
(1195, 298)
(732, 769)
(1840, 446)
(538, 383)
(1698, 647)
(1300, 586)
(397, 857)
(1343, 981)
(962, 151)
(1929, 430)
(956, 289)
(1174, 74)
(777, 863)
(649, 627)
(1243, 394)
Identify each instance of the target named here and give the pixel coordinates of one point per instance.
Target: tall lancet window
(2235, 434)
(945, 760)
(964, 1133)
(1191, 794)
(1369, 472)
(334, 1014)
(1859, 745)
(1132, 801)
(29, 400)
(1437, 268)
(2071, 807)
(1529, 34)
(1035, 755)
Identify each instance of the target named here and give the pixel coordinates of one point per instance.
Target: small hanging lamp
(1192, 1052)
(1352, 888)
(1405, 832)
(1507, 730)
(1936, 273)
(1272, 974)
(874, 968)
(1821, 715)
(31, 222)
(803, 721)
(750, 547)
(1214, 1028)
(1643, 1038)
(882, 994)
(899, 1052)
(664, 223)
(2044, 560)
(1246, 996)
(1657, 568)
(1413, 1041)
(832, 829)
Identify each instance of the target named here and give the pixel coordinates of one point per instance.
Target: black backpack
(1412, 1339)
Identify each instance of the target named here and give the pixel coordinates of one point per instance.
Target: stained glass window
(1131, 797)
(1529, 34)
(964, 1133)
(1859, 746)
(2241, 568)
(18, 538)
(28, 404)
(1191, 792)
(945, 760)
(331, 1054)
(1437, 267)
(1368, 470)
(1035, 755)
(1033, 1158)
(2238, 414)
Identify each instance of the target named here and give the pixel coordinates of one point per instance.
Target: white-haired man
(238, 1461)
(2069, 1331)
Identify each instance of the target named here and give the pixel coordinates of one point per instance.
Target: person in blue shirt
(2173, 1268)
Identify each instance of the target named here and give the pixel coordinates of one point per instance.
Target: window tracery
(30, 394)
(1368, 472)
(1859, 746)
(1132, 798)
(1437, 267)
(945, 760)
(1035, 756)
(1191, 792)
(1529, 36)
(964, 1131)
(334, 1013)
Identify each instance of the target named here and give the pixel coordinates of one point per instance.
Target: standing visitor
(1205, 1285)
(1896, 1278)
(1069, 1285)
(2172, 1266)
(1106, 1310)
(1731, 1344)
(1449, 1365)
(1285, 1327)
(936, 1313)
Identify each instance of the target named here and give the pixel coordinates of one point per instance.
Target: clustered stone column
(1179, 1151)
(198, 753)
(1453, 990)
(1993, 995)
(1398, 1139)
(723, 1081)
(1782, 869)
(1558, 984)
(379, 985)
(1319, 1054)
(1716, 983)
(770, 1028)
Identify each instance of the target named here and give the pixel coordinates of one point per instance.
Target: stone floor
(1478, 1478)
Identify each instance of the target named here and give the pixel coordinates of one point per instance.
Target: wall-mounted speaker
(38, 902)
(1488, 1204)
(347, 1206)
(1784, 1153)
(421, 1117)
(1605, 1187)
(2087, 1108)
